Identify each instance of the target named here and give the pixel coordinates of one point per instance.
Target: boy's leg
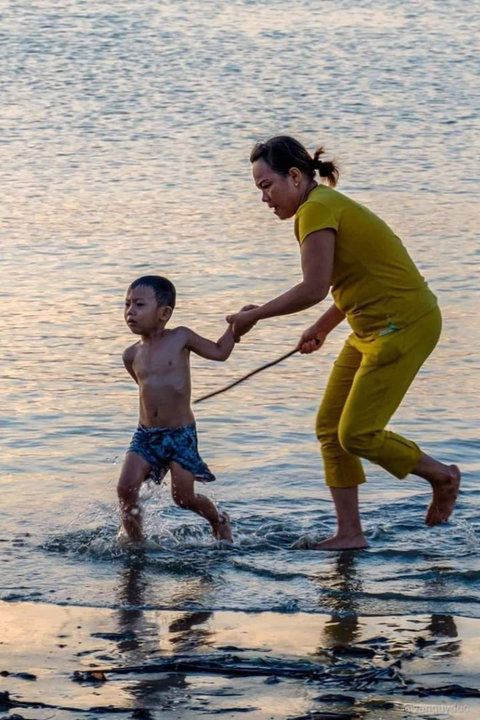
(184, 495)
(134, 471)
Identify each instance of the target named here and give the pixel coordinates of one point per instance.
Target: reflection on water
(358, 648)
(137, 632)
(142, 638)
(226, 662)
(345, 583)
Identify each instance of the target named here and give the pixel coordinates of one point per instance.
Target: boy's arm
(208, 349)
(128, 358)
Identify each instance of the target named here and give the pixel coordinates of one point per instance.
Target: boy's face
(142, 314)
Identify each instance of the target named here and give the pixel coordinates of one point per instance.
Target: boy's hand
(241, 323)
(312, 339)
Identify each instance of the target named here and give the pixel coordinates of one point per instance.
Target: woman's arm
(329, 320)
(313, 337)
(317, 256)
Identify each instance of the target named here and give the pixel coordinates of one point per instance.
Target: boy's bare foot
(124, 542)
(343, 542)
(445, 493)
(224, 528)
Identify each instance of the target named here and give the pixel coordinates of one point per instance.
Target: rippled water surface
(125, 134)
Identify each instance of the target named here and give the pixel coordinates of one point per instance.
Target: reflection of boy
(166, 437)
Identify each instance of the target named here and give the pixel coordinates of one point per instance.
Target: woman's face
(280, 192)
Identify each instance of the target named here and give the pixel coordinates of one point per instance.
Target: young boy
(166, 437)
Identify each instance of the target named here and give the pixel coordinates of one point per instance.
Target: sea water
(125, 133)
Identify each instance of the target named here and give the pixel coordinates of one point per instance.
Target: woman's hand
(242, 321)
(312, 339)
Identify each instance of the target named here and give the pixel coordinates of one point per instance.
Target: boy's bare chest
(150, 363)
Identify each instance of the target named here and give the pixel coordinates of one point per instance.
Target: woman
(393, 315)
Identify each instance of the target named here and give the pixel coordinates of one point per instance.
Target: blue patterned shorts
(159, 446)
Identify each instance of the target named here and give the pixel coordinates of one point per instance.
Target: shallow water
(125, 141)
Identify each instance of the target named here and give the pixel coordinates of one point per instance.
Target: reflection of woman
(395, 326)
(341, 593)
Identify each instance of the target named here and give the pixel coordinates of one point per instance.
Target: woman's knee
(355, 441)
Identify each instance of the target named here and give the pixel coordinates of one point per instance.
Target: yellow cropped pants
(368, 382)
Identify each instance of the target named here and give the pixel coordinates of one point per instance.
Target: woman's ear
(296, 175)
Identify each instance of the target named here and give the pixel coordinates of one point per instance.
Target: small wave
(398, 596)
(456, 574)
(433, 573)
(105, 543)
(249, 567)
(469, 534)
(172, 554)
(416, 552)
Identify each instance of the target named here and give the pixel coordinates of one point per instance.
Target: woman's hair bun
(326, 168)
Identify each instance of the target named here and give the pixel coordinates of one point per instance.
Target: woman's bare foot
(343, 542)
(224, 528)
(445, 493)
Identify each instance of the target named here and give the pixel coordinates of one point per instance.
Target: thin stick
(254, 372)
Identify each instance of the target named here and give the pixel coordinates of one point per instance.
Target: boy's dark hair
(164, 290)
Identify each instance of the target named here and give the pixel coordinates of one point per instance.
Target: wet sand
(81, 662)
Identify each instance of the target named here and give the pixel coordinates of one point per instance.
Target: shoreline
(235, 664)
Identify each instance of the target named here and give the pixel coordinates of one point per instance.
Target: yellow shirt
(375, 282)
